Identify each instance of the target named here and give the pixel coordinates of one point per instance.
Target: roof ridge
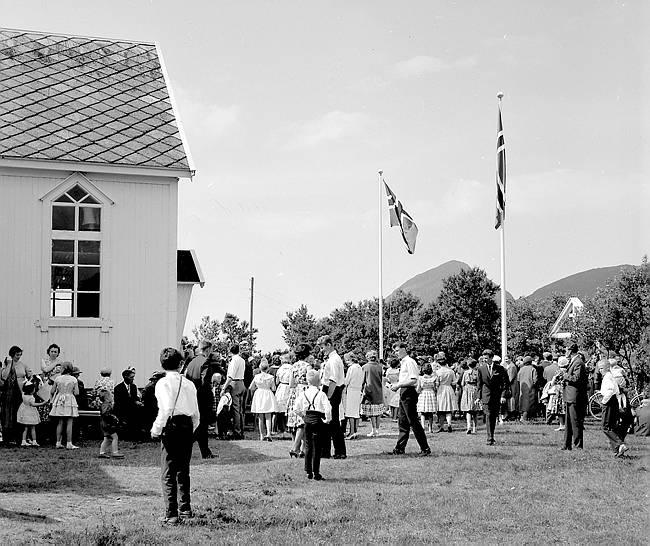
(82, 36)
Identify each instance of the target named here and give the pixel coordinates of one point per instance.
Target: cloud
(422, 65)
(218, 120)
(205, 118)
(461, 199)
(330, 127)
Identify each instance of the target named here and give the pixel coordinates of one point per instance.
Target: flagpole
(381, 275)
(504, 330)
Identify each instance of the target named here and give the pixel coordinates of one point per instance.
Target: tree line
(465, 319)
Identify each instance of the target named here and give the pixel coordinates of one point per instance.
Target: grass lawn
(524, 490)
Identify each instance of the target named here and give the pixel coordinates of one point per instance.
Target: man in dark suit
(493, 387)
(199, 371)
(575, 398)
(127, 405)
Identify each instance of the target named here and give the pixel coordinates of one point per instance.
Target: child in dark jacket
(109, 423)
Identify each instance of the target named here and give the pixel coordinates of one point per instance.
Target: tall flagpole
(504, 331)
(381, 267)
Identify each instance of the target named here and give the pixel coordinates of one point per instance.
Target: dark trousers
(314, 428)
(615, 424)
(238, 407)
(336, 434)
(175, 455)
(491, 414)
(575, 424)
(201, 438)
(408, 419)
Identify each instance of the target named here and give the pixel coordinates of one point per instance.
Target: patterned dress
(446, 395)
(282, 378)
(468, 401)
(427, 402)
(299, 372)
(64, 402)
(555, 399)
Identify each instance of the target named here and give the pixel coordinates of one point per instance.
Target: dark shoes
(490, 442)
(397, 452)
(293, 454)
(318, 477)
(424, 453)
(310, 476)
(340, 456)
(209, 455)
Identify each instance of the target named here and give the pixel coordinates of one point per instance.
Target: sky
(291, 108)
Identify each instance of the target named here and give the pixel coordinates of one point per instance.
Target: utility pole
(251, 321)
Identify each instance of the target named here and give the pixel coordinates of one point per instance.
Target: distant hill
(427, 286)
(582, 285)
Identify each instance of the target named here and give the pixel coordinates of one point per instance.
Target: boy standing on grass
(316, 411)
(177, 419)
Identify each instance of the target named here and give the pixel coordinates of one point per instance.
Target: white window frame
(48, 235)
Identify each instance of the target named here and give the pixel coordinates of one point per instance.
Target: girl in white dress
(353, 382)
(28, 415)
(264, 404)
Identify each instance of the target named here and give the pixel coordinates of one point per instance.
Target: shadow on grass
(78, 472)
(24, 517)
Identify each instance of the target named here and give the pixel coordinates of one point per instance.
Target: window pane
(77, 193)
(62, 252)
(64, 199)
(90, 199)
(88, 278)
(60, 304)
(88, 252)
(63, 218)
(88, 305)
(62, 277)
(89, 218)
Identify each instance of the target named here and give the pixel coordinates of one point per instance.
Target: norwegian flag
(399, 217)
(501, 174)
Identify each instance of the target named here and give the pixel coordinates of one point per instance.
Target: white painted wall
(139, 291)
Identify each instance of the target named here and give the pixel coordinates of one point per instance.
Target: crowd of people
(313, 394)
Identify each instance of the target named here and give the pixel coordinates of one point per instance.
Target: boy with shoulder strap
(315, 409)
(178, 418)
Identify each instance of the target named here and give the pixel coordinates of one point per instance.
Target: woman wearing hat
(527, 377)
(447, 403)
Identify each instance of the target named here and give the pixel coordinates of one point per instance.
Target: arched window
(76, 255)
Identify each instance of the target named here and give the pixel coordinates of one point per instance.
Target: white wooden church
(91, 153)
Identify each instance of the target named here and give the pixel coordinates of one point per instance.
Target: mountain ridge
(583, 284)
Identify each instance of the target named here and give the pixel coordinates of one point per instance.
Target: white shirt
(408, 369)
(321, 403)
(236, 367)
(333, 370)
(186, 404)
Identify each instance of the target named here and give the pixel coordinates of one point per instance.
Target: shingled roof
(92, 100)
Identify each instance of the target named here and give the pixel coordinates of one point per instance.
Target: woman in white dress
(263, 404)
(353, 382)
(446, 398)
